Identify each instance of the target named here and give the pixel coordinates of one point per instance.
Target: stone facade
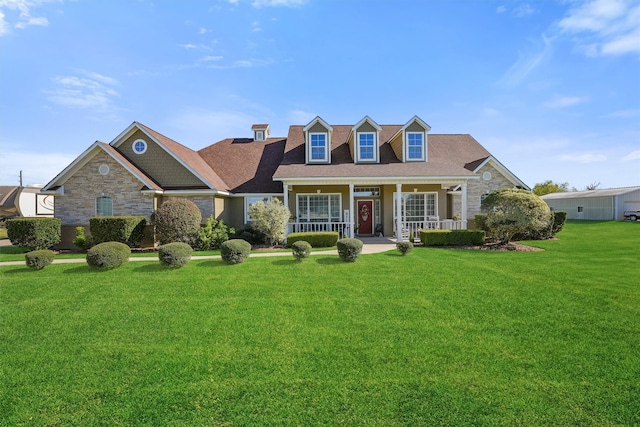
(477, 187)
(78, 203)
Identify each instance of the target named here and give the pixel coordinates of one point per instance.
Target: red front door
(365, 217)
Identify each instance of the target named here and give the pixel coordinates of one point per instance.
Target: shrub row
(124, 229)
(317, 239)
(34, 233)
(452, 237)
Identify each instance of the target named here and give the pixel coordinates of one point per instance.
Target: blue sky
(550, 88)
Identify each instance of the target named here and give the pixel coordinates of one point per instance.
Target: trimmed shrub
(317, 239)
(177, 220)
(559, 219)
(452, 237)
(212, 234)
(235, 251)
(34, 233)
(39, 259)
(301, 249)
(174, 255)
(124, 229)
(481, 222)
(404, 247)
(512, 212)
(349, 249)
(108, 255)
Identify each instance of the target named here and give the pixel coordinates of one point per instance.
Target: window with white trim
(366, 146)
(318, 150)
(319, 208)
(415, 146)
(139, 146)
(250, 200)
(259, 135)
(104, 206)
(417, 206)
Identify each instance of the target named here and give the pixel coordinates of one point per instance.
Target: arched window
(104, 206)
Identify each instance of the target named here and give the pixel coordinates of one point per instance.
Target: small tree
(270, 218)
(177, 220)
(549, 186)
(512, 212)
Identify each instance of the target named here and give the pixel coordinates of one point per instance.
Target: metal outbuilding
(608, 204)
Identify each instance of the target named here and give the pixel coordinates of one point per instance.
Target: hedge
(124, 229)
(317, 239)
(452, 237)
(34, 233)
(559, 218)
(108, 255)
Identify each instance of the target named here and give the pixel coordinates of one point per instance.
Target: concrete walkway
(372, 245)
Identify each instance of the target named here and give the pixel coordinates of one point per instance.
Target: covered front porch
(375, 208)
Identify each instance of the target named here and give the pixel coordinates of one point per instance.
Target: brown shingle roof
(448, 155)
(189, 157)
(247, 166)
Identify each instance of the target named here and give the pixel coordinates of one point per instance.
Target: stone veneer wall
(476, 188)
(78, 203)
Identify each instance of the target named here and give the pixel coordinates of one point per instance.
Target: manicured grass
(437, 337)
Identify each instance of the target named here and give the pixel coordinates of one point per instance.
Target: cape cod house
(361, 179)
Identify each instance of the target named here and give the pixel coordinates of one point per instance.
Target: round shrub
(108, 255)
(177, 220)
(174, 255)
(301, 249)
(39, 259)
(235, 251)
(349, 249)
(404, 247)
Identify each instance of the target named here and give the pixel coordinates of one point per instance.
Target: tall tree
(549, 186)
(593, 186)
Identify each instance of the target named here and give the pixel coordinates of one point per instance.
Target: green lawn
(437, 337)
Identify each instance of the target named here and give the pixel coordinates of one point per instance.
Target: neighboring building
(26, 201)
(608, 204)
(332, 177)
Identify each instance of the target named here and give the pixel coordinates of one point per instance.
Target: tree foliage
(270, 218)
(512, 212)
(549, 186)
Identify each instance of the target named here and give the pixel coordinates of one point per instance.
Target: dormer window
(366, 146)
(318, 141)
(260, 132)
(318, 147)
(415, 146)
(259, 135)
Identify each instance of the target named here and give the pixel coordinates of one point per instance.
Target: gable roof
(188, 158)
(448, 156)
(91, 152)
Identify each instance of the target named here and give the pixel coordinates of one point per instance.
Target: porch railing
(303, 227)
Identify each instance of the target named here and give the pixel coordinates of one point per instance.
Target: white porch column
(464, 204)
(352, 226)
(399, 213)
(285, 201)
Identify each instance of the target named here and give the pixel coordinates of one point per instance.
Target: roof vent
(260, 132)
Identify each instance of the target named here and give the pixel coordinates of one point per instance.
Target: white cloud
(634, 155)
(501, 9)
(300, 117)
(523, 10)
(584, 158)
(526, 64)
(22, 18)
(92, 90)
(604, 27)
(624, 114)
(276, 3)
(565, 101)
